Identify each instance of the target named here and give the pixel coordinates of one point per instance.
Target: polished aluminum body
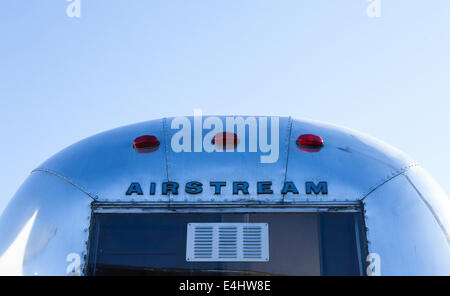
(407, 215)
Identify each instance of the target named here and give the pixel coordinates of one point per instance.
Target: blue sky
(63, 79)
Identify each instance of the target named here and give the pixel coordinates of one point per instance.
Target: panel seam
(287, 153)
(398, 173)
(430, 208)
(65, 179)
(165, 148)
(166, 154)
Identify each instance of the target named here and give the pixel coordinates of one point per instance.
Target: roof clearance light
(225, 141)
(309, 143)
(146, 144)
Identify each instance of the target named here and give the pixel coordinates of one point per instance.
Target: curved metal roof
(104, 165)
(406, 213)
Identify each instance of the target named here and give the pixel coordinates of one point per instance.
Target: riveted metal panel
(404, 233)
(58, 237)
(106, 164)
(432, 195)
(351, 164)
(226, 166)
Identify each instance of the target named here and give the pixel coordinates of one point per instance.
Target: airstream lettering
(239, 187)
(134, 188)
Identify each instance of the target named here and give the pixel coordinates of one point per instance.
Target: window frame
(226, 208)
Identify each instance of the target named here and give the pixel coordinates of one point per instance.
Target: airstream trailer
(227, 196)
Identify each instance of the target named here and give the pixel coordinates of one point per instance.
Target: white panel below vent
(227, 242)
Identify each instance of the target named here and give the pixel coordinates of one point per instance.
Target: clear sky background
(125, 61)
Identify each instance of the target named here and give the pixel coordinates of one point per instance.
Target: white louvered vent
(227, 242)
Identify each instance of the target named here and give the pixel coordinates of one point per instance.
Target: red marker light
(225, 141)
(146, 144)
(309, 143)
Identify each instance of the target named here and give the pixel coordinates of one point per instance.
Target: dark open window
(155, 244)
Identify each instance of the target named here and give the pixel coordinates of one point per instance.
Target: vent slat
(230, 242)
